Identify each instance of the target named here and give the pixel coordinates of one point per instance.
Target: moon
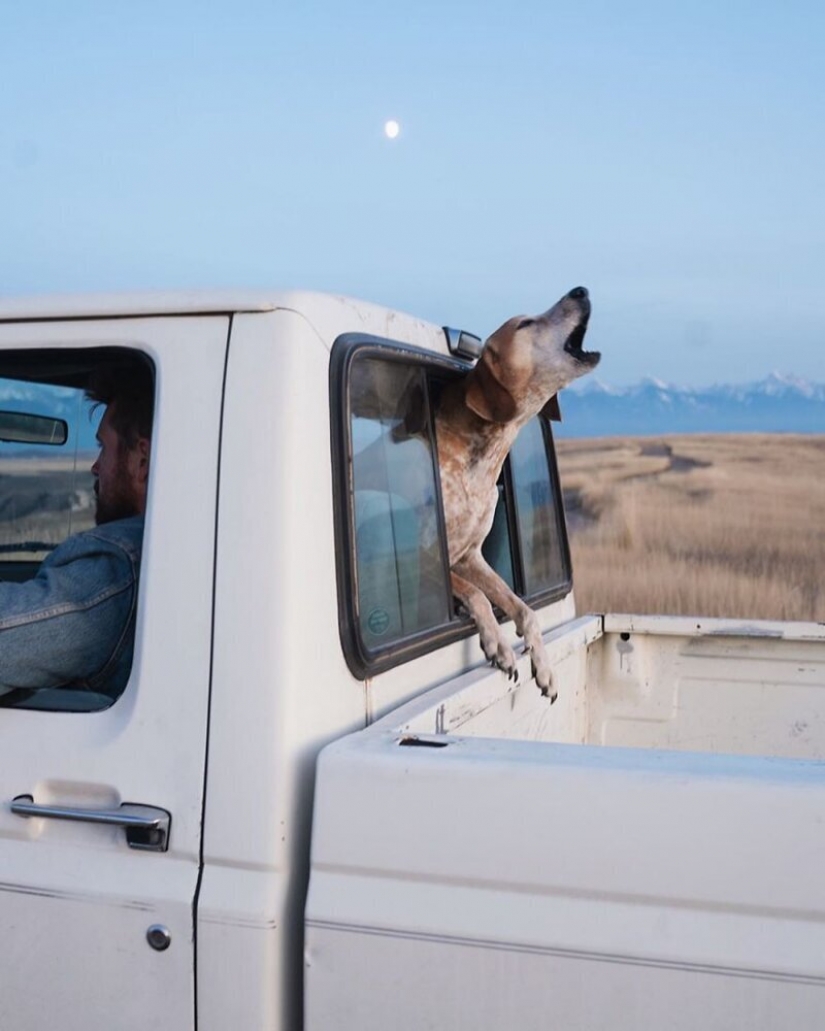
(391, 129)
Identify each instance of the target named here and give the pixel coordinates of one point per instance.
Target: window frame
(81, 359)
(362, 661)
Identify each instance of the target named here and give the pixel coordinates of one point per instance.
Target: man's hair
(128, 390)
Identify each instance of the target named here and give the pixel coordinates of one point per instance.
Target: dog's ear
(551, 410)
(485, 395)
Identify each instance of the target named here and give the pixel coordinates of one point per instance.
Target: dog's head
(528, 360)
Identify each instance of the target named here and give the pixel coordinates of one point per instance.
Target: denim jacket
(74, 622)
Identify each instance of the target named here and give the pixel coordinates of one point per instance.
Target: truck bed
(657, 682)
(645, 853)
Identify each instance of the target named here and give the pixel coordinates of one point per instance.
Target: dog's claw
(502, 658)
(499, 653)
(544, 682)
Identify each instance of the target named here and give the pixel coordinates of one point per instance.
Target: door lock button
(159, 937)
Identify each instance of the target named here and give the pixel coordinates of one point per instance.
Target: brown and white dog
(522, 367)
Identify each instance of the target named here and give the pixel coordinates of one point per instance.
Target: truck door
(101, 799)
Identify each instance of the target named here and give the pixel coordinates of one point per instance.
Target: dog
(522, 367)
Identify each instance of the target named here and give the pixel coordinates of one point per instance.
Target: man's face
(120, 474)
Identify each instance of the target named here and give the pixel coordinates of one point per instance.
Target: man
(73, 624)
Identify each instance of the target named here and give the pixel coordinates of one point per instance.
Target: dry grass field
(717, 525)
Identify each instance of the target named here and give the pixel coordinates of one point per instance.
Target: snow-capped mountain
(778, 404)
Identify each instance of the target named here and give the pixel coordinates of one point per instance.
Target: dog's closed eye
(524, 323)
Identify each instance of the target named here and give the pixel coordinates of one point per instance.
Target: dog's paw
(546, 686)
(501, 655)
(539, 663)
(511, 671)
(534, 647)
(543, 675)
(505, 660)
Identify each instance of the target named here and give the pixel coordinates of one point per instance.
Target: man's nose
(96, 466)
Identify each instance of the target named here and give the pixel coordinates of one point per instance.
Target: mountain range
(778, 404)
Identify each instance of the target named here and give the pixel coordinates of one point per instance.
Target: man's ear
(486, 396)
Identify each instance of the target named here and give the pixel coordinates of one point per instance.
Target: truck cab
(293, 587)
(313, 803)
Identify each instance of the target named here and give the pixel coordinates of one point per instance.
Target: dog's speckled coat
(523, 365)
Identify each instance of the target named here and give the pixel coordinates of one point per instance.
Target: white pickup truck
(647, 853)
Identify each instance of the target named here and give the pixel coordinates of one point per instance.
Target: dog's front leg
(493, 644)
(475, 570)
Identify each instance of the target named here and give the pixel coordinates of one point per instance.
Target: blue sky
(668, 156)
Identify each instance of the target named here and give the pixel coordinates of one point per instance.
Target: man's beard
(116, 505)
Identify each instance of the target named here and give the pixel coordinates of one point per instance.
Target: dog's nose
(578, 293)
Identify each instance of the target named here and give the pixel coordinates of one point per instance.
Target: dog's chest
(469, 467)
(469, 514)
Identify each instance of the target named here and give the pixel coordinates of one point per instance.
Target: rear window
(394, 582)
(538, 511)
(401, 580)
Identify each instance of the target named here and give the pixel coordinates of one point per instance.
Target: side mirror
(19, 428)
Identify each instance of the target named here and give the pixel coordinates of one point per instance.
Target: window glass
(497, 547)
(67, 629)
(46, 491)
(401, 578)
(538, 512)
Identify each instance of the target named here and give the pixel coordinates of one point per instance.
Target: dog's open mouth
(573, 346)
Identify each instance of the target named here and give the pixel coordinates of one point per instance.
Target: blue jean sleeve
(65, 625)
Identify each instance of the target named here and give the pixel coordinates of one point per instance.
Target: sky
(668, 156)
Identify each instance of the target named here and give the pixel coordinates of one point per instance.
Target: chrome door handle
(146, 826)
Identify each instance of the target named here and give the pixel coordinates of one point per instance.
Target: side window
(396, 585)
(71, 540)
